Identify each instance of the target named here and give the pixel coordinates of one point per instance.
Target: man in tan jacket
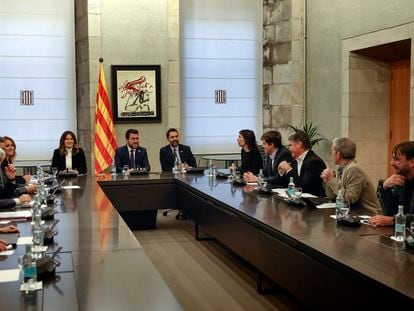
(357, 187)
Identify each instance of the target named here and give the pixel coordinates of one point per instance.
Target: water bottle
(260, 179)
(38, 236)
(175, 168)
(29, 266)
(113, 168)
(339, 203)
(37, 211)
(233, 171)
(400, 224)
(291, 187)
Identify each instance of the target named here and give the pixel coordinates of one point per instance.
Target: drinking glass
(125, 169)
(54, 171)
(345, 208)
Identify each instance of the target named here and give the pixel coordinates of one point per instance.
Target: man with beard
(174, 150)
(398, 189)
(131, 155)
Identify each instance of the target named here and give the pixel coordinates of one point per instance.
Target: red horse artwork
(137, 93)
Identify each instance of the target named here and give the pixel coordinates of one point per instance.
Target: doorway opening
(379, 103)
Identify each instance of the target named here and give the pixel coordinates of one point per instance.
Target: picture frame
(136, 93)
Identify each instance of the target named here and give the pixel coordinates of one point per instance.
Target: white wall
(37, 53)
(330, 23)
(136, 33)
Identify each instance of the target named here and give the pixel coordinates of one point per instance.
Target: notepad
(7, 253)
(16, 214)
(71, 187)
(9, 275)
(24, 240)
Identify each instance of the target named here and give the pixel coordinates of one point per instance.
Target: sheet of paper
(7, 253)
(281, 192)
(364, 216)
(308, 195)
(9, 275)
(17, 214)
(327, 205)
(5, 222)
(71, 187)
(24, 240)
(37, 286)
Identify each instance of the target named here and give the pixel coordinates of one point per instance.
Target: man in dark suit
(275, 154)
(131, 155)
(307, 167)
(398, 189)
(175, 150)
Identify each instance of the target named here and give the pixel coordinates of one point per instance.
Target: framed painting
(136, 93)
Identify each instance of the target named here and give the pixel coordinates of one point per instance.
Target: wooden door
(399, 108)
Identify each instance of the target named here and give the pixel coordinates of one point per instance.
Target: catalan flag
(105, 137)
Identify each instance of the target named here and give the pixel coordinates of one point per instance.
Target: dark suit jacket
(7, 187)
(78, 161)
(310, 174)
(399, 195)
(7, 204)
(167, 158)
(282, 154)
(122, 158)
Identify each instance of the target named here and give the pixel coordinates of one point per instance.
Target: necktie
(132, 159)
(175, 153)
(269, 167)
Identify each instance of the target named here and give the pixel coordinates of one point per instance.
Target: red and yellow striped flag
(105, 137)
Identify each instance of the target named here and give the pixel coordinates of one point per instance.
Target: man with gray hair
(357, 187)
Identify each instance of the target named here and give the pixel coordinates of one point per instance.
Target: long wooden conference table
(303, 250)
(103, 266)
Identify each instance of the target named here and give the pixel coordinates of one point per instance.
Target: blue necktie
(269, 167)
(131, 159)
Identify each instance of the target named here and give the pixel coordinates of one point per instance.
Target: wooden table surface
(103, 265)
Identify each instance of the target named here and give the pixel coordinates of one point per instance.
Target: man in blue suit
(131, 155)
(175, 150)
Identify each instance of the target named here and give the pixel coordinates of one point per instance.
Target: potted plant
(312, 131)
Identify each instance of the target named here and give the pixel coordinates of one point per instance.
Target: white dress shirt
(300, 159)
(68, 158)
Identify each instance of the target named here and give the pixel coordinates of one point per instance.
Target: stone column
(283, 60)
(174, 97)
(88, 51)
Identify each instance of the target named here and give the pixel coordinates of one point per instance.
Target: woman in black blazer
(251, 159)
(69, 154)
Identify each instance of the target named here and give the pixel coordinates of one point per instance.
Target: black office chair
(180, 215)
